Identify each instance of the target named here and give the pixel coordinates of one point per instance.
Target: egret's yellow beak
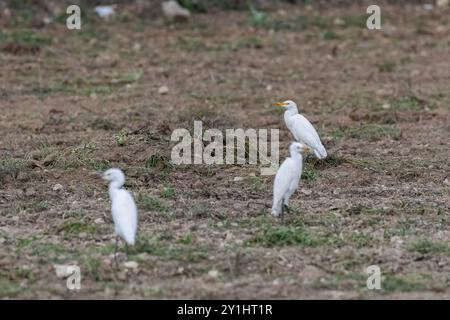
(280, 104)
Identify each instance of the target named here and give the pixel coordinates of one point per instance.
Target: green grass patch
(387, 66)
(75, 227)
(81, 156)
(309, 173)
(279, 236)
(361, 240)
(406, 103)
(121, 138)
(424, 246)
(405, 283)
(8, 288)
(369, 132)
(29, 37)
(158, 246)
(349, 281)
(355, 21)
(158, 161)
(329, 35)
(168, 193)
(150, 203)
(11, 166)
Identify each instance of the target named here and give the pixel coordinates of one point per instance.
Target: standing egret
(302, 130)
(123, 209)
(287, 178)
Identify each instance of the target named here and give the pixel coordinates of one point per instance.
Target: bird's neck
(114, 187)
(288, 114)
(296, 157)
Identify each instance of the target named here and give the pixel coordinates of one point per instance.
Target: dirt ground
(76, 102)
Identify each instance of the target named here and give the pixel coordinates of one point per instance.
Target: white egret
(287, 178)
(123, 209)
(302, 130)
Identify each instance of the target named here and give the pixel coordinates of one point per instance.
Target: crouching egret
(287, 178)
(302, 130)
(123, 209)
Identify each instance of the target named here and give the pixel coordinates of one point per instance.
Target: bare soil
(76, 102)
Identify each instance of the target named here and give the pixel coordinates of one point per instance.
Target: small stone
(136, 46)
(163, 90)
(339, 22)
(174, 12)
(386, 106)
(306, 192)
(30, 192)
(447, 182)
(131, 265)
(82, 235)
(99, 221)
(58, 187)
(236, 179)
(213, 273)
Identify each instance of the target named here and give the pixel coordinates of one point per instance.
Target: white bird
(123, 209)
(302, 130)
(287, 178)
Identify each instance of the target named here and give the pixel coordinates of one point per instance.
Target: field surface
(76, 102)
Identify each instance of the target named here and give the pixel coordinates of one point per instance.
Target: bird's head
(298, 147)
(114, 175)
(288, 105)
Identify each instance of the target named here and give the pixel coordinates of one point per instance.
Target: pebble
(131, 265)
(163, 90)
(58, 187)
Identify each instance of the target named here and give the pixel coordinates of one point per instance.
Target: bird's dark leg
(286, 208)
(126, 250)
(282, 211)
(115, 250)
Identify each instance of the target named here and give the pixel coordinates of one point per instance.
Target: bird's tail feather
(320, 152)
(129, 238)
(276, 208)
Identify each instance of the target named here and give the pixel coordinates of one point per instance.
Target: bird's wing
(283, 180)
(124, 214)
(304, 131)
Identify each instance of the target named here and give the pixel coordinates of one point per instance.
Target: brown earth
(76, 102)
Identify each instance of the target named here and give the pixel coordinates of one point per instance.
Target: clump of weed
(404, 283)
(158, 161)
(11, 166)
(278, 236)
(309, 173)
(370, 132)
(424, 246)
(387, 66)
(75, 227)
(150, 203)
(121, 138)
(81, 155)
(168, 193)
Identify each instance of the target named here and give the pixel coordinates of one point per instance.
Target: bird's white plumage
(302, 130)
(124, 215)
(287, 178)
(123, 207)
